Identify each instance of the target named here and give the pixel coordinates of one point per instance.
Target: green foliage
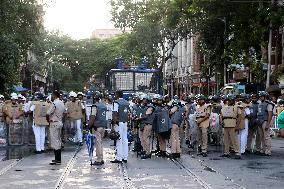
(20, 27)
(72, 62)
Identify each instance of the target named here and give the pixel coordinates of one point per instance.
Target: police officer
(39, 109)
(189, 110)
(120, 117)
(80, 97)
(162, 126)
(146, 127)
(192, 127)
(98, 123)
(176, 115)
(135, 114)
(252, 131)
(54, 118)
(243, 127)
(215, 129)
(74, 111)
(230, 121)
(3, 132)
(264, 117)
(202, 120)
(14, 118)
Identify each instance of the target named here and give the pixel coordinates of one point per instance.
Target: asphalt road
(190, 171)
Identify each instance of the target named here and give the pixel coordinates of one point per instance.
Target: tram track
(61, 181)
(180, 164)
(127, 183)
(10, 166)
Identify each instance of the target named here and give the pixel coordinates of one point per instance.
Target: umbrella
(90, 142)
(20, 89)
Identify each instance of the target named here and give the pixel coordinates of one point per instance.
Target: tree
(73, 62)
(156, 27)
(20, 27)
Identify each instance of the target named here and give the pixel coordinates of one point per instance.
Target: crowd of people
(241, 124)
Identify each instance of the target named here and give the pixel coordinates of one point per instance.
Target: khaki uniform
(1, 112)
(39, 109)
(146, 134)
(14, 119)
(175, 138)
(99, 132)
(55, 112)
(74, 113)
(74, 110)
(229, 116)
(264, 144)
(201, 112)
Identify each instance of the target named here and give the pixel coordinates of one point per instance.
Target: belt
(200, 117)
(229, 118)
(53, 121)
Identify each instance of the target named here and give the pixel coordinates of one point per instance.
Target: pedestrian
(264, 118)
(74, 110)
(54, 117)
(202, 120)
(230, 120)
(120, 117)
(39, 109)
(98, 124)
(280, 120)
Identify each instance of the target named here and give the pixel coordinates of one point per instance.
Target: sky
(78, 18)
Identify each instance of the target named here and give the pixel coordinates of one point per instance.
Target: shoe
(187, 142)
(55, 162)
(225, 155)
(176, 155)
(43, 151)
(146, 156)
(248, 152)
(266, 154)
(204, 154)
(124, 160)
(98, 163)
(258, 153)
(116, 161)
(38, 152)
(238, 157)
(199, 149)
(141, 153)
(80, 143)
(161, 154)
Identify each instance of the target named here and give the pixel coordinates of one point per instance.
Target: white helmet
(14, 97)
(49, 98)
(1, 96)
(72, 94)
(20, 96)
(23, 98)
(13, 94)
(80, 93)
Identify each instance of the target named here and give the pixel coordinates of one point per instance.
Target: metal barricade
(15, 134)
(3, 134)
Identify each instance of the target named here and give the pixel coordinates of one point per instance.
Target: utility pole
(269, 54)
